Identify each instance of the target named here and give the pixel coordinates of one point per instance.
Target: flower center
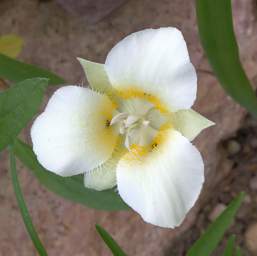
(138, 121)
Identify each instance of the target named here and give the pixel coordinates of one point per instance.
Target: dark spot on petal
(107, 123)
(154, 145)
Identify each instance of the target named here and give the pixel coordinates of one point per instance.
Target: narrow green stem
(23, 209)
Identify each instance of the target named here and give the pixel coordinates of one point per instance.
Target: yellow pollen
(136, 93)
(138, 152)
(107, 112)
(160, 138)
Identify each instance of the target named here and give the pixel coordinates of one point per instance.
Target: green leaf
(238, 252)
(23, 209)
(230, 246)
(215, 232)
(17, 106)
(110, 242)
(17, 71)
(11, 45)
(218, 39)
(71, 188)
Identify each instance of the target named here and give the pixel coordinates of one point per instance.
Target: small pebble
(216, 211)
(247, 199)
(251, 122)
(243, 212)
(253, 143)
(233, 147)
(253, 183)
(245, 209)
(3, 85)
(247, 149)
(251, 238)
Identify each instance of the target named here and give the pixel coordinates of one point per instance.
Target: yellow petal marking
(132, 92)
(139, 153)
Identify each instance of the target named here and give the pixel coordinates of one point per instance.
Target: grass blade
(215, 232)
(238, 252)
(23, 209)
(110, 242)
(215, 26)
(230, 246)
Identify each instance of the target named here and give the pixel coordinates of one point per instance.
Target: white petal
(96, 75)
(155, 61)
(71, 136)
(164, 184)
(190, 123)
(104, 176)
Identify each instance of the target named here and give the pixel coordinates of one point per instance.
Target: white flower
(133, 129)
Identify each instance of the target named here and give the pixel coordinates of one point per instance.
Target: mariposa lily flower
(133, 128)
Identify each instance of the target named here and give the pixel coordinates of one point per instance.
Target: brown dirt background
(54, 37)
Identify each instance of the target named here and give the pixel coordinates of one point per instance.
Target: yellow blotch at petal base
(105, 135)
(140, 153)
(132, 92)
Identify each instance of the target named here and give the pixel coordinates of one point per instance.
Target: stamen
(119, 117)
(138, 126)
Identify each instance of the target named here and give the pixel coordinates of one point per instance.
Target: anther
(107, 123)
(154, 145)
